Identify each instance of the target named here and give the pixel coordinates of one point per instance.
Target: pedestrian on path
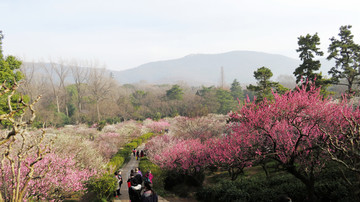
(117, 187)
(134, 189)
(149, 194)
(134, 151)
(138, 171)
(126, 169)
(137, 154)
(148, 177)
(138, 176)
(120, 180)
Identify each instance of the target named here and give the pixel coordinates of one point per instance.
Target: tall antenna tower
(222, 79)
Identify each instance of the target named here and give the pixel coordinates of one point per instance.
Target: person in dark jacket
(137, 177)
(149, 194)
(134, 189)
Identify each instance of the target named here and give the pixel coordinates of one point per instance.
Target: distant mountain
(205, 69)
(201, 69)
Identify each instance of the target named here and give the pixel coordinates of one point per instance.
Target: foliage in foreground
(102, 187)
(330, 187)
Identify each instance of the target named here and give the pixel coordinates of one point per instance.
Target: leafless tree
(99, 85)
(33, 83)
(80, 75)
(15, 189)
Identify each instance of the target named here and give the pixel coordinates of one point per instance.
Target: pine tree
(346, 54)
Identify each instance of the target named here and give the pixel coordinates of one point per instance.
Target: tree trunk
(57, 104)
(98, 111)
(79, 106)
(309, 182)
(263, 165)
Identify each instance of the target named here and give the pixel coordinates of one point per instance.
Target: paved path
(132, 164)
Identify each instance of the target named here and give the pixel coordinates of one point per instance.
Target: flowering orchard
(53, 164)
(156, 126)
(300, 130)
(55, 178)
(212, 125)
(343, 133)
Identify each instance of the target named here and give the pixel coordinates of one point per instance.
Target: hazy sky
(127, 33)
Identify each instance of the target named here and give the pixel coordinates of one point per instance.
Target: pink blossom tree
(343, 132)
(29, 169)
(157, 126)
(233, 153)
(157, 145)
(61, 178)
(289, 129)
(108, 144)
(204, 128)
(15, 147)
(190, 157)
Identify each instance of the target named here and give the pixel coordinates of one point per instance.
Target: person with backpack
(134, 189)
(148, 177)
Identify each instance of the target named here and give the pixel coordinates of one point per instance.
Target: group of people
(138, 153)
(140, 187)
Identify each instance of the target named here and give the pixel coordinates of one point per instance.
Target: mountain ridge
(205, 69)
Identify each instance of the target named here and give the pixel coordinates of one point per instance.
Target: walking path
(132, 164)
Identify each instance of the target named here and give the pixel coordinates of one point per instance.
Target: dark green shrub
(172, 179)
(102, 187)
(147, 136)
(37, 124)
(194, 180)
(116, 161)
(138, 141)
(254, 189)
(114, 120)
(131, 145)
(331, 185)
(101, 125)
(159, 175)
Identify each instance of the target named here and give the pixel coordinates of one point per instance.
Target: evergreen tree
(306, 72)
(137, 97)
(225, 100)
(9, 72)
(236, 90)
(209, 100)
(346, 54)
(308, 49)
(175, 93)
(264, 84)
(9, 67)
